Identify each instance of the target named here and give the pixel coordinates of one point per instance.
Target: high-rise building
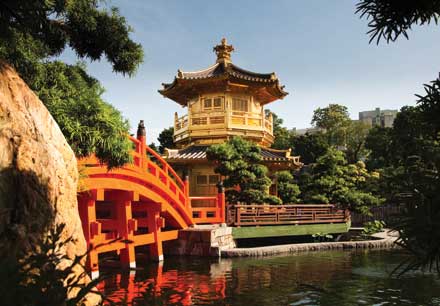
(378, 117)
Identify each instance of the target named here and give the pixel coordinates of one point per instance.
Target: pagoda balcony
(222, 124)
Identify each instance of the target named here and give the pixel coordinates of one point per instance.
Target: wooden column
(155, 223)
(126, 227)
(91, 228)
(221, 201)
(186, 186)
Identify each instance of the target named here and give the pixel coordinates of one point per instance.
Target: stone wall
(202, 240)
(382, 240)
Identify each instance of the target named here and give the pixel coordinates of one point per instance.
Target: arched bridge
(140, 204)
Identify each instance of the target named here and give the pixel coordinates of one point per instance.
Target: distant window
(240, 105)
(202, 180)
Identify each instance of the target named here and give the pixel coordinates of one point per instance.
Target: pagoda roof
(221, 69)
(185, 83)
(198, 153)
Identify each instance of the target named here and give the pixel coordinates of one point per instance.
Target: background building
(383, 118)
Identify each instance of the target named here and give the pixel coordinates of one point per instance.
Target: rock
(38, 171)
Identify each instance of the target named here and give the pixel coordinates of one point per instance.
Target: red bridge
(139, 204)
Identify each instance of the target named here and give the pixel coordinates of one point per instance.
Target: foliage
(322, 237)
(288, 190)
(166, 139)
(310, 146)
(378, 143)
(44, 276)
(392, 18)
(335, 181)
(355, 141)
(409, 155)
(89, 124)
(372, 227)
(85, 26)
(33, 32)
(334, 119)
(282, 134)
(154, 147)
(240, 162)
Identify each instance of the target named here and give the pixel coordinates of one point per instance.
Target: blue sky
(318, 49)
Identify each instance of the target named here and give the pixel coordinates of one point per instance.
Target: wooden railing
(221, 119)
(253, 215)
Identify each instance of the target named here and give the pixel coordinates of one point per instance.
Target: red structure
(140, 204)
(172, 282)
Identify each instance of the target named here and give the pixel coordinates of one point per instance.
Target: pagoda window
(240, 105)
(213, 103)
(207, 179)
(218, 103)
(202, 180)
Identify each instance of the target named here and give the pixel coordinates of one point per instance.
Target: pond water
(315, 278)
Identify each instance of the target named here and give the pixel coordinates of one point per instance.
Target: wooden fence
(254, 215)
(386, 213)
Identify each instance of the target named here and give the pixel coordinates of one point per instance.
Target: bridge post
(87, 211)
(141, 135)
(127, 255)
(155, 222)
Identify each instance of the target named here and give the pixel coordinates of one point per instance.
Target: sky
(319, 49)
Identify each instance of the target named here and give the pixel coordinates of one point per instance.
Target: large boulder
(38, 171)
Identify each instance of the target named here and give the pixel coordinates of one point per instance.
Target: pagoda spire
(223, 51)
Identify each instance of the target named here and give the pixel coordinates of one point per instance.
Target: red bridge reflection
(170, 287)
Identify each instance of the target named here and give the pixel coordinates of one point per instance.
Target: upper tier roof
(187, 84)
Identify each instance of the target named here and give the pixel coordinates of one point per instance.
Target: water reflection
(324, 278)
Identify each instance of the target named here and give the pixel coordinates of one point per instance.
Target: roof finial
(223, 51)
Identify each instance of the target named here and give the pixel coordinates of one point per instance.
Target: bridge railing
(262, 214)
(150, 161)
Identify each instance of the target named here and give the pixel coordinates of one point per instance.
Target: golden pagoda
(223, 101)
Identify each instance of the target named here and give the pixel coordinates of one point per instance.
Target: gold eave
(183, 89)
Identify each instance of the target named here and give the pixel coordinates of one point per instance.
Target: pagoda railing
(220, 120)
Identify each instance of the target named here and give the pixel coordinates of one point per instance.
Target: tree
(239, 161)
(282, 134)
(310, 146)
(154, 147)
(356, 135)
(378, 143)
(166, 139)
(33, 32)
(334, 181)
(334, 120)
(89, 124)
(391, 18)
(89, 30)
(416, 134)
(288, 190)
